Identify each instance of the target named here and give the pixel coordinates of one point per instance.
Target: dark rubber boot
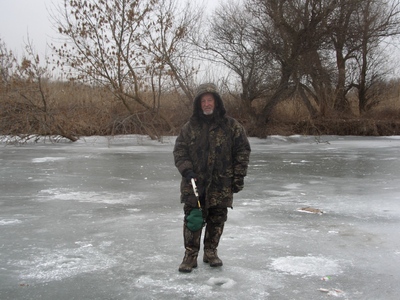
(211, 241)
(189, 261)
(211, 257)
(192, 246)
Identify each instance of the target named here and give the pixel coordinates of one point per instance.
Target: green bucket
(194, 221)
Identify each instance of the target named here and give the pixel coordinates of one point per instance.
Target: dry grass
(77, 110)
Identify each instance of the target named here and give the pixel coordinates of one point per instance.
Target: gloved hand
(189, 174)
(238, 184)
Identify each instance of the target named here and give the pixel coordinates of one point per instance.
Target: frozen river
(101, 219)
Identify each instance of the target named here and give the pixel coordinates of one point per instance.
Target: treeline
(310, 67)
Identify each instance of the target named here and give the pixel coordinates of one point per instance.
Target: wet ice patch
(52, 265)
(279, 193)
(308, 265)
(47, 159)
(225, 283)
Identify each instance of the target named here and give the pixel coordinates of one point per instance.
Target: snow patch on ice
(134, 209)
(333, 292)
(83, 244)
(199, 285)
(251, 202)
(107, 198)
(302, 162)
(292, 186)
(32, 139)
(53, 265)
(47, 159)
(308, 265)
(168, 285)
(9, 221)
(225, 283)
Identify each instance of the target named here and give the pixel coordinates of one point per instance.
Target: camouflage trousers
(215, 218)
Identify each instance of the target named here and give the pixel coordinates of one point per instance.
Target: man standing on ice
(212, 149)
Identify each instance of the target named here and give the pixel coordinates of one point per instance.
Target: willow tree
(232, 42)
(289, 33)
(121, 44)
(377, 21)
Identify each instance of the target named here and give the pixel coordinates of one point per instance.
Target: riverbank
(356, 127)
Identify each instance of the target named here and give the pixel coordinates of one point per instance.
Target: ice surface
(101, 219)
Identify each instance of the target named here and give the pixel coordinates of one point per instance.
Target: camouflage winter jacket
(217, 150)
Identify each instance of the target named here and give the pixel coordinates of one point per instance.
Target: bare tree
(291, 32)
(316, 50)
(316, 82)
(377, 21)
(122, 44)
(170, 42)
(231, 41)
(344, 36)
(356, 29)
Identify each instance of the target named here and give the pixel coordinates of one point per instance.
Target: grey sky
(22, 18)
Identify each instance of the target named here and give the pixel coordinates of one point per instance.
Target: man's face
(207, 103)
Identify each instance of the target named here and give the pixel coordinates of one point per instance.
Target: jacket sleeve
(241, 151)
(181, 151)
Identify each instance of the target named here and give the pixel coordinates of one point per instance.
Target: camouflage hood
(219, 105)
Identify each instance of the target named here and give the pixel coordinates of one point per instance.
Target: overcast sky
(20, 18)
